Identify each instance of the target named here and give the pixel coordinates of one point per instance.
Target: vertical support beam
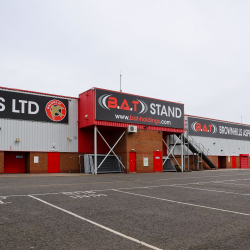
(182, 141)
(95, 148)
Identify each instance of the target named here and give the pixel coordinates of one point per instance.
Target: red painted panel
(164, 147)
(219, 162)
(14, 162)
(132, 161)
(86, 109)
(157, 161)
(244, 161)
(53, 162)
(86, 141)
(234, 164)
(140, 126)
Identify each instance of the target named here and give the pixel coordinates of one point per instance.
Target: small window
(36, 159)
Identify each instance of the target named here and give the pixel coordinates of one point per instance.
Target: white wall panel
(222, 147)
(39, 136)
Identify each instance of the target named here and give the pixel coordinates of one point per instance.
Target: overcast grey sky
(195, 52)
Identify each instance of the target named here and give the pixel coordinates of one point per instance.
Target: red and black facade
(112, 112)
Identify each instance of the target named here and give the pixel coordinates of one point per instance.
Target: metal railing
(200, 148)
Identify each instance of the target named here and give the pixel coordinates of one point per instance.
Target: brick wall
(144, 142)
(41, 166)
(1, 162)
(69, 162)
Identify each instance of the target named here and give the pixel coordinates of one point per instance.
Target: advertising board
(119, 107)
(217, 129)
(23, 106)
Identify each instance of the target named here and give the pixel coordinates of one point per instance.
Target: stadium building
(105, 131)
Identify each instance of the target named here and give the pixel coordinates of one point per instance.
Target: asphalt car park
(190, 210)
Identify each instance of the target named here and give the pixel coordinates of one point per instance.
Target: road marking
(83, 194)
(86, 183)
(197, 177)
(63, 184)
(218, 191)
(3, 203)
(141, 187)
(183, 203)
(98, 225)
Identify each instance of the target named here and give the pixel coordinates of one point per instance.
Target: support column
(95, 148)
(182, 152)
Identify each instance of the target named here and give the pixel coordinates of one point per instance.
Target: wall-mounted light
(86, 116)
(145, 126)
(214, 143)
(221, 150)
(132, 149)
(17, 140)
(68, 138)
(157, 150)
(159, 131)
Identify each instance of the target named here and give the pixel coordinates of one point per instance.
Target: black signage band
(22, 106)
(119, 107)
(216, 129)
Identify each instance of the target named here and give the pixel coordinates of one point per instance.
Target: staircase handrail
(199, 147)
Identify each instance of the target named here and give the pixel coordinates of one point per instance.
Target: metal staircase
(199, 150)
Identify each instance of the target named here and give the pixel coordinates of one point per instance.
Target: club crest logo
(55, 110)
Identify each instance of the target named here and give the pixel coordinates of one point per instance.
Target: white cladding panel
(224, 147)
(39, 136)
(221, 147)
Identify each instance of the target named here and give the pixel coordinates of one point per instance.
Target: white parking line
(210, 190)
(147, 187)
(183, 203)
(98, 225)
(199, 177)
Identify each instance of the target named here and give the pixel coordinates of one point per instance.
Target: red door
(53, 162)
(132, 162)
(234, 165)
(157, 161)
(14, 162)
(244, 161)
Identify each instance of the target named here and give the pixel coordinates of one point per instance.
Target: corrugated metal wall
(221, 147)
(224, 147)
(39, 136)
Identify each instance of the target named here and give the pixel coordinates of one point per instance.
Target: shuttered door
(244, 161)
(14, 162)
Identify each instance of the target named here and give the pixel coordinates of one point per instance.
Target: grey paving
(193, 210)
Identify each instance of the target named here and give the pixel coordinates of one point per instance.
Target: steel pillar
(95, 148)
